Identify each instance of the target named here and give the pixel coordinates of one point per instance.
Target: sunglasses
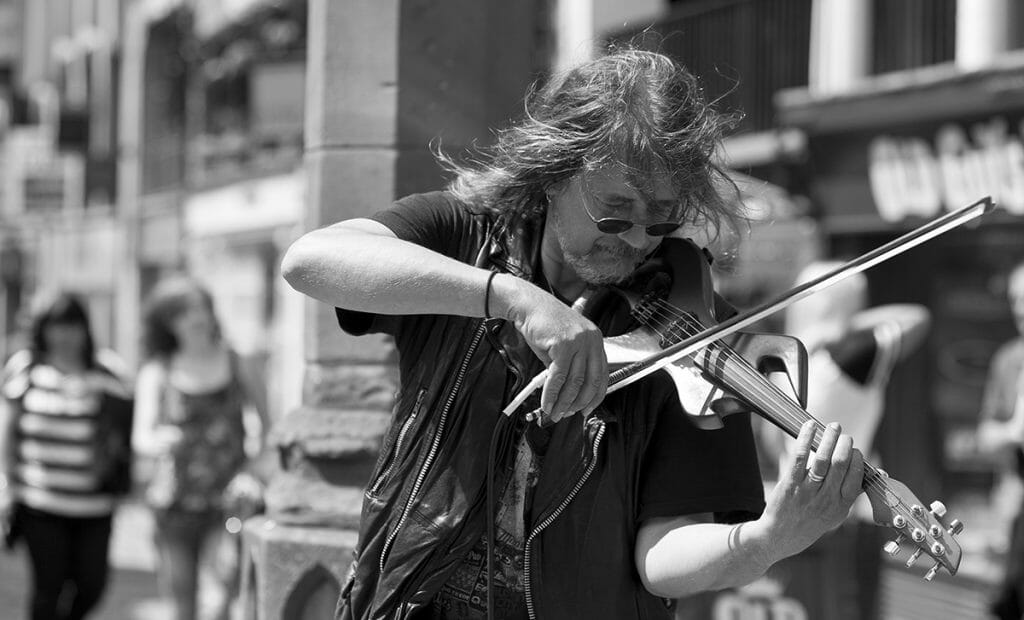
(617, 226)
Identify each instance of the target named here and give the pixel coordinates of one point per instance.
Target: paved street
(132, 593)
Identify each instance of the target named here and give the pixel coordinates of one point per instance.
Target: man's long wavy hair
(636, 108)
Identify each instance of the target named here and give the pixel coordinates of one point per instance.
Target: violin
(680, 334)
(681, 306)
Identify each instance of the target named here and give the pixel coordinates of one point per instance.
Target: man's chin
(603, 277)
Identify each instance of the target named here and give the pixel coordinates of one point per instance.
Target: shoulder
(16, 374)
(437, 205)
(112, 374)
(1007, 363)
(111, 363)
(437, 220)
(152, 374)
(1009, 353)
(18, 362)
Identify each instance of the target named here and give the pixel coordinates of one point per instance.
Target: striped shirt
(56, 445)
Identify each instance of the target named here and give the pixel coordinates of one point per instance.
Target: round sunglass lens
(660, 230)
(613, 226)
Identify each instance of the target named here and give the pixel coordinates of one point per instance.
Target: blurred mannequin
(852, 351)
(1002, 430)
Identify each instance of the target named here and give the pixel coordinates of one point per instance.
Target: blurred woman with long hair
(190, 396)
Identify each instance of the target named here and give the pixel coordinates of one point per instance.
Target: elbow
(654, 589)
(296, 265)
(646, 561)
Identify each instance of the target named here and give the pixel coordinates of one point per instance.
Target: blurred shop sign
(915, 176)
(82, 253)
(36, 178)
(257, 204)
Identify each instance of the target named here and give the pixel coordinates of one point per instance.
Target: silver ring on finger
(814, 476)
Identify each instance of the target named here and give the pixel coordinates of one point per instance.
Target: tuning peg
(955, 527)
(899, 522)
(917, 510)
(938, 509)
(913, 558)
(893, 546)
(938, 550)
(935, 531)
(917, 534)
(931, 572)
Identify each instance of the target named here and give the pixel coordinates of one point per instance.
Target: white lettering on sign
(910, 177)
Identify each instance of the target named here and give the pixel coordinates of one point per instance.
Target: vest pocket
(395, 454)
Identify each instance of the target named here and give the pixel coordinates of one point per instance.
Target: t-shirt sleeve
(855, 354)
(688, 470)
(436, 221)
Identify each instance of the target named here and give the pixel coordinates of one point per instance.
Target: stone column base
(292, 572)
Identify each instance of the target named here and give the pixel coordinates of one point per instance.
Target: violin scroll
(895, 506)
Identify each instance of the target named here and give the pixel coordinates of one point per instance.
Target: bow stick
(641, 368)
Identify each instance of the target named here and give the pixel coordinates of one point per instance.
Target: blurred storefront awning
(908, 97)
(212, 16)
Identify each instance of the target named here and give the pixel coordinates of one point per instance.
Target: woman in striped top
(55, 456)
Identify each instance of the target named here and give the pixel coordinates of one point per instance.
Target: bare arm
(911, 320)
(6, 457)
(252, 383)
(678, 556)
(150, 439)
(361, 265)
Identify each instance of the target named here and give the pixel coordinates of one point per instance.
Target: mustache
(621, 251)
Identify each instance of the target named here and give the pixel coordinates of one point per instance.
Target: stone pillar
(384, 78)
(840, 45)
(983, 31)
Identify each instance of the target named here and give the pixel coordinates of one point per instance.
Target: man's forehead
(651, 184)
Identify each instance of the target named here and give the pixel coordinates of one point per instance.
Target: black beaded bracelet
(487, 295)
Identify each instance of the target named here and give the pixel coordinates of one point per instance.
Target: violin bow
(641, 368)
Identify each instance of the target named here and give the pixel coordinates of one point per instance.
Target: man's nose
(636, 237)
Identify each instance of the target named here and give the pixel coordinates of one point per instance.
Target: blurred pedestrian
(1001, 431)
(852, 349)
(191, 393)
(65, 425)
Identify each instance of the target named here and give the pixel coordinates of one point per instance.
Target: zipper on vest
(554, 515)
(399, 442)
(435, 444)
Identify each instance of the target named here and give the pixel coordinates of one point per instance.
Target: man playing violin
(612, 506)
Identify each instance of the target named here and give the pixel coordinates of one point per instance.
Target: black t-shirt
(685, 470)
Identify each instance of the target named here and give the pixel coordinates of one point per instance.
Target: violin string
(677, 323)
(681, 321)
